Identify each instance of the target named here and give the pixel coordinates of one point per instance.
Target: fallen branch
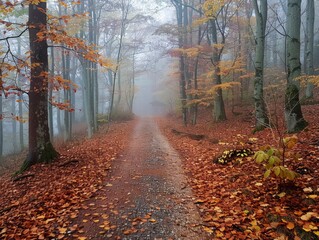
(189, 135)
(22, 177)
(68, 162)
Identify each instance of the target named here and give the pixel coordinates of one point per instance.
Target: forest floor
(130, 183)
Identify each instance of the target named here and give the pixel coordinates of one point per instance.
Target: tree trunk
(260, 109)
(14, 123)
(293, 114)
(309, 45)
(182, 83)
(40, 146)
(50, 108)
(219, 106)
(1, 119)
(21, 131)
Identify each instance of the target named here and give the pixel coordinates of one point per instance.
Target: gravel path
(146, 195)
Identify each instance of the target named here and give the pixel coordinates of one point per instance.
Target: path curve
(146, 195)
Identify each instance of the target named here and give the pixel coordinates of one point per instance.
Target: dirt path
(146, 194)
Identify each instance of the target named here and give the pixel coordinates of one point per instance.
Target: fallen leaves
(237, 190)
(44, 205)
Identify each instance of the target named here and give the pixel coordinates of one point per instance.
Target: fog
(153, 88)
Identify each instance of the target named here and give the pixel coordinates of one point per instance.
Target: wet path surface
(146, 194)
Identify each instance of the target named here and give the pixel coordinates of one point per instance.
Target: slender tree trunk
(1, 118)
(50, 108)
(219, 106)
(58, 114)
(293, 114)
(14, 124)
(309, 45)
(260, 109)
(40, 147)
(125, 10)
(21, 131)
(182, 83)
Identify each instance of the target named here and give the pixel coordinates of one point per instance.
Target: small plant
(273, 159)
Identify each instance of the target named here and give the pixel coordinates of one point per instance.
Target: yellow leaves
(304, 79)
(290, 142)
(281, 195)
(254, 225)
(308, 190)
(199, 201)
(208, 230)
(192, 52)
(313, 196)
(308, 216)
(309, 227)
(223, 86)
(62, 230)
(212, 7)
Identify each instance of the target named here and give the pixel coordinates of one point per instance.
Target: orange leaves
(233, 201)
(44, 207)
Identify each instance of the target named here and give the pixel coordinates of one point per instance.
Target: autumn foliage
(40, 203)
(235, 200)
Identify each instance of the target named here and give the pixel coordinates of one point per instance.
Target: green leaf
(277, 160)
(270, 152)
(271, 161)
(291, 175)
(260, 156)
(267, 173)
(277, 170)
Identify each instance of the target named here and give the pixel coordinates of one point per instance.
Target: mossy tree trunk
(260, 109)
(293, 114)
(40, 148)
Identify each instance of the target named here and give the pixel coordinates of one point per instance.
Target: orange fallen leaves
(43, 206)
(234, 199)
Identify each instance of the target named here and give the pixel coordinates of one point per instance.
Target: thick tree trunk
(293, 114)
(40, 146)
(260, 109)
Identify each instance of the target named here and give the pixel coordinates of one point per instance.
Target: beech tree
(309, 45)
(40, 146)
(261, 19)
(179, 7)
(293, 114)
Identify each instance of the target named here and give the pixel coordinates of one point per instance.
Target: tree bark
(182, 81)
(219, 106)
(293, 114)
(309, 42)
(14, 123)
(260, 109)
(40, 146)
(1, 118)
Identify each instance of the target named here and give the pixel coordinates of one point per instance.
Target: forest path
(146, 195)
